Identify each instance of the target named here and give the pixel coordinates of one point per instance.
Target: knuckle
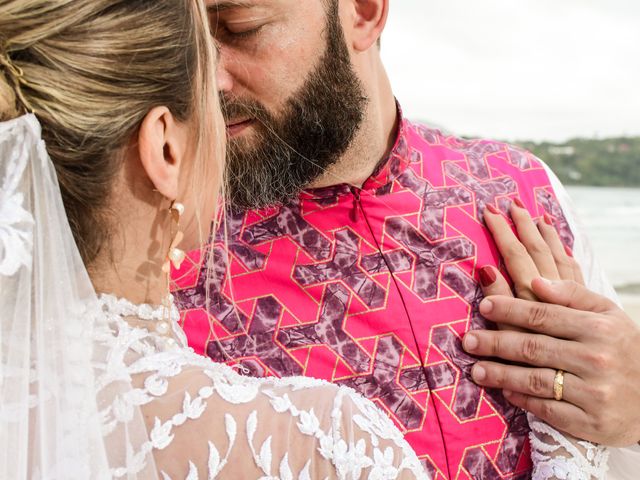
(496, 345)
(547, 412)
(537, 384)
(603, 395)
(532, 350)
(565, 265)
(510, 312)
(515, 249)
(600, 362)
(539, 248)
(538, 316)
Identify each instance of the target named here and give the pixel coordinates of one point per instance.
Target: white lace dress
(207, 421)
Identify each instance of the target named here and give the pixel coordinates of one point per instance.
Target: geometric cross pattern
(380, 301)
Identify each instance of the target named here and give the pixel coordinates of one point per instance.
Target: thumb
(570, 294)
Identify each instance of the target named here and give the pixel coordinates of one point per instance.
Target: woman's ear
(162, 143)
(368, 22)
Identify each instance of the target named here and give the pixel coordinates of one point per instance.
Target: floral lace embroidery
(16, 223)
(556, 457)
(139, 351)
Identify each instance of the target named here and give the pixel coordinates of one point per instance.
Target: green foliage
(613, 162)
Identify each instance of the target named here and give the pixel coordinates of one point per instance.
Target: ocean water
(611, 218)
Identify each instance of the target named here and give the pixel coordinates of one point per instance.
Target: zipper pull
(355, 212)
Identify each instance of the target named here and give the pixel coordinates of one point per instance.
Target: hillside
(613, 162)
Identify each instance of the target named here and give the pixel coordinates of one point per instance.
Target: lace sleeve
(557, 456)
(214, 423)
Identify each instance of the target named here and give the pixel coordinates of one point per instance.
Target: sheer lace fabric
(207, 421)
(555, 456)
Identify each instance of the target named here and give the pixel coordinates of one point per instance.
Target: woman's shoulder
(218, 420)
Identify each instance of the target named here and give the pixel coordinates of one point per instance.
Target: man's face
(291, 100)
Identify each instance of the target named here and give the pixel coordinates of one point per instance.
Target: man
(353, 249)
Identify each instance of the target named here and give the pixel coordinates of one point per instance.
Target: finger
(545, 318)
(527, 348)
(520, 265)
(532, 240)
(493, 282)
(551, 237)
(567, 266)
(572, 295)
(563, 416)
(536, 382)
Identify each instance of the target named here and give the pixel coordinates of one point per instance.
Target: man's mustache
(234, 108)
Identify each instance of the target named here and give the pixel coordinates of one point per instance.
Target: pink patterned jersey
(373, 288)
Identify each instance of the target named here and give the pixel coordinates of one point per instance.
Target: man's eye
(243, 34)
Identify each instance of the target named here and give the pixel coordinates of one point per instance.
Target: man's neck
(373, 144)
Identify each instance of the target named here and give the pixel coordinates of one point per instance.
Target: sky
(517, 69)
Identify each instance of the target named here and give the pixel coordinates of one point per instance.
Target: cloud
(539, 69)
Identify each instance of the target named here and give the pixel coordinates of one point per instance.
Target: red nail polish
(548, 220)
(487, 276)
(519, 203)
(493, 209)
(569, 251)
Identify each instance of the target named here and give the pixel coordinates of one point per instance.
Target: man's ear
(161, 147)
(368, 22)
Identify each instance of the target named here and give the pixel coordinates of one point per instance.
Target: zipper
(357, 205)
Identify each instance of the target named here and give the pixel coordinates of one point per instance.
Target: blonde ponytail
(91, 70)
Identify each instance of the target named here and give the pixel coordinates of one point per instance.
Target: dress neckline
(162, 320)
(143, 311)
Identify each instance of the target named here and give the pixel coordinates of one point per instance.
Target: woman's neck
(135, 281)
(132, 267)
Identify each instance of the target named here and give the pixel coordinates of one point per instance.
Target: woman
(123, 96)
(105, 387)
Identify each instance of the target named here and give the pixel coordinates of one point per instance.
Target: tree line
(612, 162)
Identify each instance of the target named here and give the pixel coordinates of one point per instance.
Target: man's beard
(316, 127)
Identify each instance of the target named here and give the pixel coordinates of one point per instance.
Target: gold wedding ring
(558, 385)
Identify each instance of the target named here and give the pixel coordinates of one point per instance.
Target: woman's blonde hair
(91, 70)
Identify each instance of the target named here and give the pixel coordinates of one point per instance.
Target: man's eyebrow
(228, 4)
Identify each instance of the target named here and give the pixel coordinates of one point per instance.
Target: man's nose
(224, 79)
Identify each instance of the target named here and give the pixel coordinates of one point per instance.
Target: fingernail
(519, 203)
(569, 251)
(470, 342)
(487, 276)
(493, 209)
(478, 373)
(548, 220)
(507, 393)
(486, 306)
